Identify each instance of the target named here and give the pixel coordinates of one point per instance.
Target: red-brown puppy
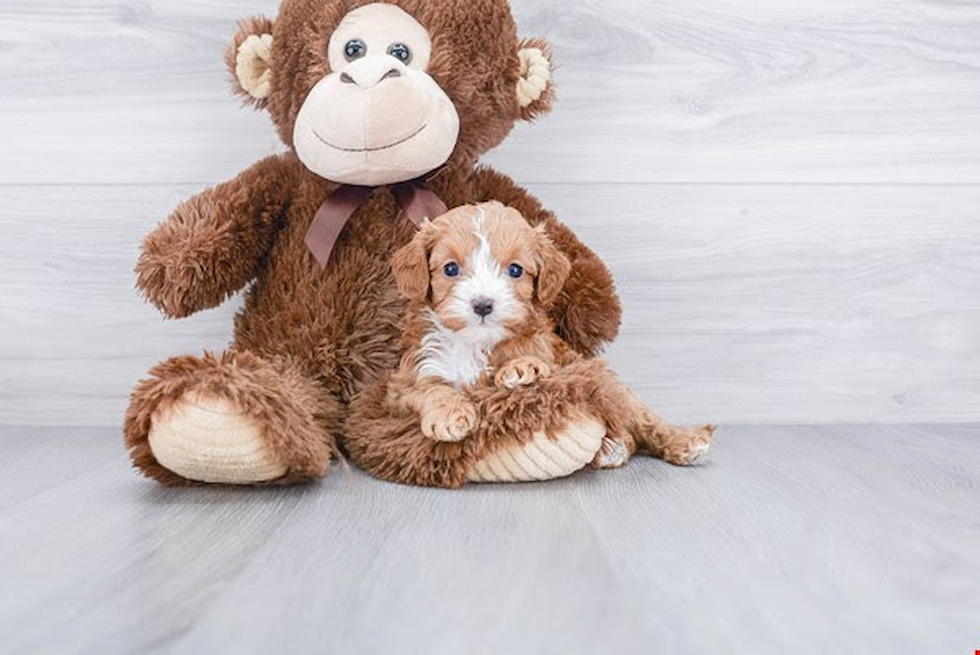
(481, 282)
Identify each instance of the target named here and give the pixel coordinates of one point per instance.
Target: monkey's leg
(230, 419)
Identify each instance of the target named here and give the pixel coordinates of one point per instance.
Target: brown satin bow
(416, 201)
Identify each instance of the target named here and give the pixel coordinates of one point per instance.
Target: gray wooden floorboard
(849, 539)
(53, 462)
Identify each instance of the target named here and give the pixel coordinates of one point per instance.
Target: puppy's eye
(355, 49)
(516, 271)
(401, 52)
(451, 269)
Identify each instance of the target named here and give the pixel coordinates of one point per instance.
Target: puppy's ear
(250, 61)
(553, 268)
(535, 86)
(411, 265)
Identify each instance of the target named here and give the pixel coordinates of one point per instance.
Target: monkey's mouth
(376, 149)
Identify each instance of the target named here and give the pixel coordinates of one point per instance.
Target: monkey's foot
(230, 419)
(208, 439)
(543, 458)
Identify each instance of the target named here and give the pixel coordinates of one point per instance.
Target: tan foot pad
(207, 439)
(543, 458)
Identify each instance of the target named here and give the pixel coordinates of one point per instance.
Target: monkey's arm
(211, 246)
(588, 312)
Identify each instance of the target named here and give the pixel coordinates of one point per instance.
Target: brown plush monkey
(385, 108)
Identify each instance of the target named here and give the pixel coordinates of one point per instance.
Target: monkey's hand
(212, 244)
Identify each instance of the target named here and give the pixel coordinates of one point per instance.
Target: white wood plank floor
(826, 540)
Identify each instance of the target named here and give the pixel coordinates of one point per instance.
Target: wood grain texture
(693, 146)
(829, 540)
(744, 304)
(716, 91)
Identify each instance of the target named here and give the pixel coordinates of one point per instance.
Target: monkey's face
(378, 117)
(376, 93)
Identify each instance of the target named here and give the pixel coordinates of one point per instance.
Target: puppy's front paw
(521, 372)
(449, 420)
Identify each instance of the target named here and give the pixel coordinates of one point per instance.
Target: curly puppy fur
(532, 379)
(315, 338)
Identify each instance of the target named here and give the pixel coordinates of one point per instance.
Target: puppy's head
(482, 270)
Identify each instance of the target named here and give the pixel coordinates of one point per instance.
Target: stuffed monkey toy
(384, 109)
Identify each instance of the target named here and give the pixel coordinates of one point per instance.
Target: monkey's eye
(516, 271)
(401, 52)
(355, 49)
(451, 269)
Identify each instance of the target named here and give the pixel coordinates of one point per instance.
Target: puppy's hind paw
(688, 447)
(613, 454)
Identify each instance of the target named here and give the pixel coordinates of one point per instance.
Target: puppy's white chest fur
(459, 358)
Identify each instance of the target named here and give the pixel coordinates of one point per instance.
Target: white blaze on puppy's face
(482, 272)
(484, 287)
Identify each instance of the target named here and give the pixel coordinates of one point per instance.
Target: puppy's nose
(483, 307)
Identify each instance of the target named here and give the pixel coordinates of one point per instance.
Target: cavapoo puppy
(480, 281)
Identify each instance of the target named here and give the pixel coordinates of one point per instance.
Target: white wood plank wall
(788, 192)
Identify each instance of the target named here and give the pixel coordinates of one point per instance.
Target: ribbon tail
(331, 219)
(419, 203)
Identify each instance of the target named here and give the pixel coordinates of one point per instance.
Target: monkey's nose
(368, 81)
(483, 307)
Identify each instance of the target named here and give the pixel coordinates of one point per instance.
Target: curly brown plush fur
(308, 340)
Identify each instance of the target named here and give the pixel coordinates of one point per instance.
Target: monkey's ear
(535, 87)
(411, 265)
(250, 61)
(553, 268)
